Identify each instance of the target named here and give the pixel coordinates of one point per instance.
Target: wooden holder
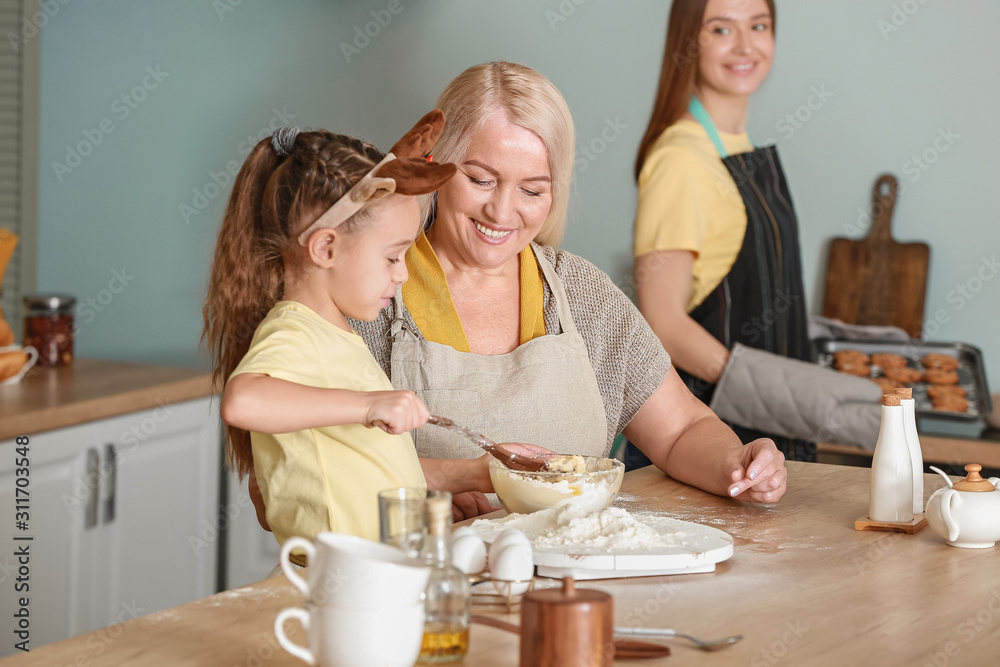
(908, 527)
(567, 626)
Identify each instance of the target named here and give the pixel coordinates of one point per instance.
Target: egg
(511, 563)
(468, 551)
(509, 536)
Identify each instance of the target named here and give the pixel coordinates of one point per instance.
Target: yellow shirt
(428, 297)
(324, 479)
(688, 201)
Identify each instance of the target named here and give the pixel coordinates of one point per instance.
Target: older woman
(498, 330)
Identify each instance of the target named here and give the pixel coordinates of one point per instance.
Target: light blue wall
(120, 207)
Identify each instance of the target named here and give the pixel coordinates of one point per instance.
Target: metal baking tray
(971, 374)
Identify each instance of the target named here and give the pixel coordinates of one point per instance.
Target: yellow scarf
(428, 298)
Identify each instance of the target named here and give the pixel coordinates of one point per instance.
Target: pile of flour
(612, 529)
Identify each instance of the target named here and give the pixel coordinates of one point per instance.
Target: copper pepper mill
(567, 626)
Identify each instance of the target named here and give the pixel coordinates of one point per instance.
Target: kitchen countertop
(803, 587)
(91, 389)
(936, 448)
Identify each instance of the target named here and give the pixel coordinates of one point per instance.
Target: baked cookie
(842, 357)
(859, 369)
(886, 360)
(888, 386)
(942, 390)
(941, 377)
(904, 374)
(950, 404)
(941, 362)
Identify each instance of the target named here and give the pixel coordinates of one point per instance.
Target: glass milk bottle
(892, 472)
(446, 627)
(913, 445)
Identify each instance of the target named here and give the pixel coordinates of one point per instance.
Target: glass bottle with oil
(446, 626)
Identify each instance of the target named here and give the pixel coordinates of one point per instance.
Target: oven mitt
(824, 327)
(797, 399)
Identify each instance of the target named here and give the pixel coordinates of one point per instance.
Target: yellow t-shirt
(688, 201)
(324, 479)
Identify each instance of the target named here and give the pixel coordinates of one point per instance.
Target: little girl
(315, 232)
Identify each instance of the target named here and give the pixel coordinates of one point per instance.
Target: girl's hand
(395, 411)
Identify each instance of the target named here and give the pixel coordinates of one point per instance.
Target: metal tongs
(499, 452)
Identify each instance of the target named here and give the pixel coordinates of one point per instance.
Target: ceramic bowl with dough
(524, 492)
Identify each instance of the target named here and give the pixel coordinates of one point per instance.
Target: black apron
(760, 303)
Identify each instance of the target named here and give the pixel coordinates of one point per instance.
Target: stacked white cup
(355, 590)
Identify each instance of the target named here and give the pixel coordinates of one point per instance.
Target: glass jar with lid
(48, 327)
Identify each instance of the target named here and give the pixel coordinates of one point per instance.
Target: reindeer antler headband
(403, 170)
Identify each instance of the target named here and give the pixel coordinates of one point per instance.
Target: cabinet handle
(111, 455)
(94, 482)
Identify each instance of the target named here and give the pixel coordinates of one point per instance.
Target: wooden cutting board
(877, 280)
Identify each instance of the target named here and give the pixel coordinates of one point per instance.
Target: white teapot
(967, 514)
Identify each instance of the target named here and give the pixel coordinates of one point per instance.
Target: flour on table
(609, 530)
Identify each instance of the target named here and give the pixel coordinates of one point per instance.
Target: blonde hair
(529, 100)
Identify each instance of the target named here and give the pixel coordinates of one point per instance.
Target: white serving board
(697, 548)
(581, 575)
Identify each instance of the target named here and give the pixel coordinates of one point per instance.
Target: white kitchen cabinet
(123, 514)
(251, 551)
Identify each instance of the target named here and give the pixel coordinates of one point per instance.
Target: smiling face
(369, 262)
(737, 46)
(493, 208)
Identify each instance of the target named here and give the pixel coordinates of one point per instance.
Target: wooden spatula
(877, 280)
(501, 453)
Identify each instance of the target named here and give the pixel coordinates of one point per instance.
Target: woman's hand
(395, 411)
(686, 440)
(470, 504)
(759, 473)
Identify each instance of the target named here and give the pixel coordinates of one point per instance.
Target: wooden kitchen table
(803, 588)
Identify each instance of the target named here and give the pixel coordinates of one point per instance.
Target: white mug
(349, 637)
(32, 358)
(350, 571)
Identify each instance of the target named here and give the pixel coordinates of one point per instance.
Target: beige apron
(544, 392)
